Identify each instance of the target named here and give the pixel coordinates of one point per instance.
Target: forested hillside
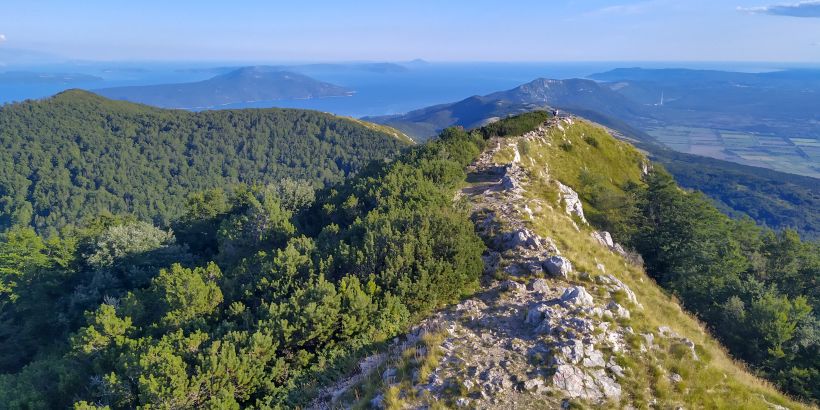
(774, 199)
(257, 297)
(77, 155)
(261, 296)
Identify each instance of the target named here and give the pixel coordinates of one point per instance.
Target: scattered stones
(675, 378)
(558, 266)
(576, 296)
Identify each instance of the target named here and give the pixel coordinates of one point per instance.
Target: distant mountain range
(766, 120)
(775, 199)
(243, 85)
(576, 95)
(755, 102)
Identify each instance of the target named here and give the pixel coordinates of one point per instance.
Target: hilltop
(77, 154)
(242, 85)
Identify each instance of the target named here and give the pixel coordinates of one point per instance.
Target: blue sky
(437, 30)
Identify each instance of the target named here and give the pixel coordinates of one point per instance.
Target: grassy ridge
(717, 380)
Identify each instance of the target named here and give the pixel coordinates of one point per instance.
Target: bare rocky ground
(542, 338)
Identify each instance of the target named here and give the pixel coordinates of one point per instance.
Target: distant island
(29, 77)
(243, 85)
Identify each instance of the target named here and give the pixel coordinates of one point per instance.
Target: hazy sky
(439, 30)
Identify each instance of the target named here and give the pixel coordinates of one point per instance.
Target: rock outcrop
(572, 203)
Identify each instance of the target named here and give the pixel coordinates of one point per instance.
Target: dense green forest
(775, 199)
(756, 289)
(253, 298)
(257, 295)
(76, 155)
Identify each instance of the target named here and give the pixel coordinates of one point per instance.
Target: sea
(376, 92)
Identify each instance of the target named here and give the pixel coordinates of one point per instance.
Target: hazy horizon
(476, 31)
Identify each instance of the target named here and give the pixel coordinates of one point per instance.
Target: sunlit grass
(716, 380)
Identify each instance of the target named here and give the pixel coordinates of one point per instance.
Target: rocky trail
(539, 334)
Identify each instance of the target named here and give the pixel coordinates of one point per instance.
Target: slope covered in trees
(255, 298)
(76, 155)
(260, 295)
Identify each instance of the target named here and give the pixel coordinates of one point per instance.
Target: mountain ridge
(243, 85)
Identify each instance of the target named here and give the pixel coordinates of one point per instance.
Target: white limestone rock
(576, 296)
(540, 286)
(572, 203)
(558, 266)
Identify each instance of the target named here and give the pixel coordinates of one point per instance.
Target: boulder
(510, 183)
(471, 308)
(389, 374)
(377, 402)
(615, 368)
(593, 358)
(533, 267)
(491, 262)
(594, 385)
(667, 331)
(576, 296)
(540, 286)
(558, 266)
(512, 286)
(533, 384)
(572, 203)
(616, 285)
(618, 310)
(604, 238)
(541, 316)
(522, 238)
